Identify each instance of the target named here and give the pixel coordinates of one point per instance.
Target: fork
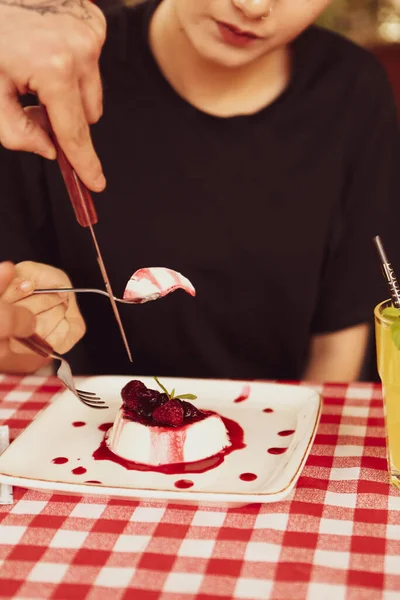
(64, 373)
(79, 290)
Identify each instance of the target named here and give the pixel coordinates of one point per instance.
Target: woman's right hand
(15, 321)
(58, 319)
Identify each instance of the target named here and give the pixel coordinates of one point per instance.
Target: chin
(224, 56)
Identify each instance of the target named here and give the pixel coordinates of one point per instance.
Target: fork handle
(37, 344)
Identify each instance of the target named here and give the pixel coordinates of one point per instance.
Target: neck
(208, 85)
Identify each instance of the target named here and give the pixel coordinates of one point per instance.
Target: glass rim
(378, 313)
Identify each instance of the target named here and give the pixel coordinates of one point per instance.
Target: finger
(47, 323)
(16, 322)
(18, 289)
(64, 106)
(4, 347)
(92, 93)
(17, 130)
(44, 276)
(42, 303)
(60, 338)
(7, 273)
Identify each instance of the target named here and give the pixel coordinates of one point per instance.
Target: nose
(253, 9)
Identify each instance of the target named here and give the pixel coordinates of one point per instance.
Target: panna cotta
(155, 282)
(155, 428)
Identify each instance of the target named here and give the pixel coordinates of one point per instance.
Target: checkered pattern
(336, 538)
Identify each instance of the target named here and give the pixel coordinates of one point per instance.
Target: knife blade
(86, 216)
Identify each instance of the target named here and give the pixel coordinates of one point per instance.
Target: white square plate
(28, 461)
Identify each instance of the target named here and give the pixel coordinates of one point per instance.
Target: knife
(86, 216)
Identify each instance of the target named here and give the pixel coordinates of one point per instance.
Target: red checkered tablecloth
(337, 537)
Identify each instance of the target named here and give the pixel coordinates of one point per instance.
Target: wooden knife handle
(79, 195)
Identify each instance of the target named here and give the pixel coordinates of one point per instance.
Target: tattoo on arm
(74, 8)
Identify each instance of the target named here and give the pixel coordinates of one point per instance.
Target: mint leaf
(391, 311)
(395, 331)
(172, 394)
(164, 389)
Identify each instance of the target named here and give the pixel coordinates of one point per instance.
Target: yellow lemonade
(388, 356)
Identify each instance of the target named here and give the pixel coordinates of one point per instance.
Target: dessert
(158, 428)
(155, 282)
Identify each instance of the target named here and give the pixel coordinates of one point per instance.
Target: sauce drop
(60, 460)
(244, 395)
(183, 484)
(248, 476)
(79, 471)
(105, 426)
(286, 432)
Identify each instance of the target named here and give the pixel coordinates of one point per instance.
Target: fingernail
(26, 286)
(100, 182)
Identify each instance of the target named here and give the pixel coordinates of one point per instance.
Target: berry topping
(169, 414)
(132, 391)
(190, 412)
(151, 407)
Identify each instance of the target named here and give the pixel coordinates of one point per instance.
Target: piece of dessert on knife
(158, 428)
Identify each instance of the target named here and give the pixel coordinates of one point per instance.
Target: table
(337, 537)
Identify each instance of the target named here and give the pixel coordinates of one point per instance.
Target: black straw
(388, 272)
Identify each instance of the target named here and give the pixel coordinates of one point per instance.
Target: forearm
(337, 356)
(324, 368)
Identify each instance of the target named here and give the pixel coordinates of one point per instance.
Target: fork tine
(93, 405)
(90, 401)
(86, 393)
(94, 402)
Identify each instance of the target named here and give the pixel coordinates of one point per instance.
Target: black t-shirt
(270, 215)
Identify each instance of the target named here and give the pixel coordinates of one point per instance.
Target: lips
(240, 32)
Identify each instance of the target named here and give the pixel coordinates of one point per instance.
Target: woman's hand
(15, 321)
(58, 319)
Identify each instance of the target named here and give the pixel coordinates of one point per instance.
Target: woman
(246, 149)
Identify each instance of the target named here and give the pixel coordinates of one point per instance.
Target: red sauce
(268, 410)
(105, 426)
(286, 432)
(78, 424)
(60, 460)
(248, 476)
(183, 484)
(79, 471)
(244, 395)
(235, 434)
(277, 450)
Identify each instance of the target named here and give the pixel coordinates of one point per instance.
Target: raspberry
(132, 390)
(190, 412)
(169, 414)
